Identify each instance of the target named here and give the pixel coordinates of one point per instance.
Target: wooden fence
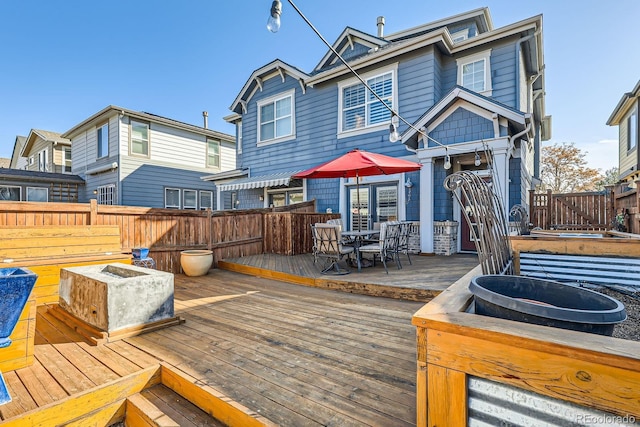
(574, 211)
(167, 232)
(626, 206)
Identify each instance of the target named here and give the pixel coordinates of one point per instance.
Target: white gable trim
(352, 37)
(466, 105)
(273, 69)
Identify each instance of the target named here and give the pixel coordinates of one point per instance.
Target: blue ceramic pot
(15, 286)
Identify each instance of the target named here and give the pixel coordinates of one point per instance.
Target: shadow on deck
(422, 280)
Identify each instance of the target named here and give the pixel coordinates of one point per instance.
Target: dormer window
(459, 36)
(474, 72)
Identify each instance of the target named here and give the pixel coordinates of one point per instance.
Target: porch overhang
(272, 180)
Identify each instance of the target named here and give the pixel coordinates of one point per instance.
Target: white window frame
(194, 193)
(100, 135)
(12, 186)
(66, 162)
(43, 160)
(217, 155)
(167, 206)
(36, 189)
(272, 100)
(482, 56)
(461, 35)
(106, 194)
(239, 141)
(148, 125)
(207, 193)
(632, 130)
(393, 70)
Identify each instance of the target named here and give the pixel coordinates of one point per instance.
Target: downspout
(526, 130)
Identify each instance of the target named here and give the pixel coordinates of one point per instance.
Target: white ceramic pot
(196, 262)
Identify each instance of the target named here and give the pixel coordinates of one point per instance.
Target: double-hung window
(139, 138)
(206, 199)
(190, 199)
(102, 134)
(474, 72)
(276, 118)
(43, 161)
(66, 167)
(361, 109)
(213, 153)
(632, 130)
(172, 198)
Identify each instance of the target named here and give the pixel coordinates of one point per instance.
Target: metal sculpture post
(484, 212)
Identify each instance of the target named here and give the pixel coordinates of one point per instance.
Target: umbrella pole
(358, 201)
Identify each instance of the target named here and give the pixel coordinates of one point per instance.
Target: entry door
(378, 203)
(467, 241)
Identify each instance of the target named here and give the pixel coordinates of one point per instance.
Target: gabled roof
(442, 38)
(348, 39)
(481, 16)
(45, 135)
(410, 136)
(275, 68)
(17, 150)
(112, 109)
(626, 102)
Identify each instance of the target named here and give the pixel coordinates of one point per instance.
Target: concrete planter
(15, 286)
(196, 262)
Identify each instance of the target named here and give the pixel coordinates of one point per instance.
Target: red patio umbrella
(357, 163)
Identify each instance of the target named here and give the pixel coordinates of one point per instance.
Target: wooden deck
(422, 280)
(295, 355)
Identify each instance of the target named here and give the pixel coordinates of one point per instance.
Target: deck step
(159, 406)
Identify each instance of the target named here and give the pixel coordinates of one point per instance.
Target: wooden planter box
(470, 365)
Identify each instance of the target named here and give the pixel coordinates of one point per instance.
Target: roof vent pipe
(380, 26)
(205, 115)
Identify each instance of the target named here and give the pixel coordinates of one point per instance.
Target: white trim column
(426, 205)
(501, 170)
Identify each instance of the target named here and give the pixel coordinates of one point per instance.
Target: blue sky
(63, 61)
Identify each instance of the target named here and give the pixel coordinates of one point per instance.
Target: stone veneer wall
(445, 237)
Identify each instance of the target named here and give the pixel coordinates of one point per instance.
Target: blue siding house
(472, 94)
(134, 158)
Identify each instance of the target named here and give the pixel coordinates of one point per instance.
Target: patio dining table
(359, 236)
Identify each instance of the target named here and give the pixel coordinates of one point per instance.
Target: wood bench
(45, 250)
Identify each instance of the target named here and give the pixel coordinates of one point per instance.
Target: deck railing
(234, 233)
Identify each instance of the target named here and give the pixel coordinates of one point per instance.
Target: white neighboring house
(140, 159)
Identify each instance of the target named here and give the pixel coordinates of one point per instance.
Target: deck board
(296, 355)
(177, 408)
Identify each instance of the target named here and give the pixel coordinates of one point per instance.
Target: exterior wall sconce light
(95, 191)
(261, 198)
(477, 161)
(408, 184)
(273, 23)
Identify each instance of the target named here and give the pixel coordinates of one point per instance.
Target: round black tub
(545, 302)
